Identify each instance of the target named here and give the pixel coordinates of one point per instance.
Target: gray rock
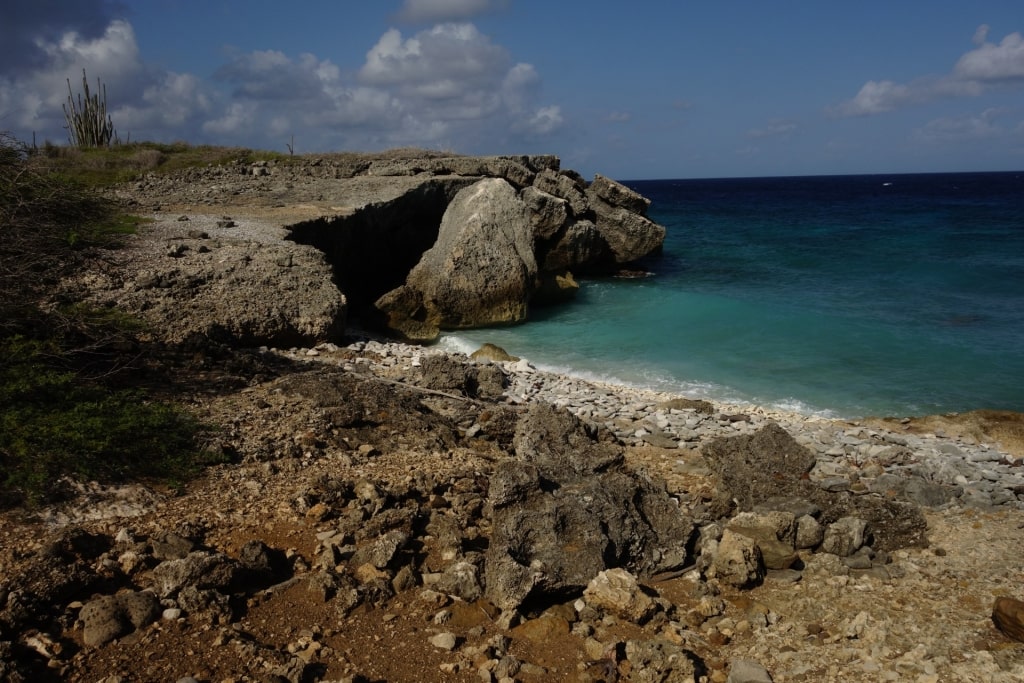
(738, 560)
(112, 616)
(844, 537)
(566, 508)
(460, 580)
(480, 271)
(616, 591)
(629, 236)
(199, 569)
(617, 194)
(769, 465)
(563, 187)
(171, 546)
(809, 533)
(381, 551)
(746, 671)
(659, 661)
(759, 466)
(548, 213)
(444, 641)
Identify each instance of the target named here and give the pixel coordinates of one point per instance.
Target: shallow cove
(845, 295)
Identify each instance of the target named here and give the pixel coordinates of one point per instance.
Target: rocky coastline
(393, 512)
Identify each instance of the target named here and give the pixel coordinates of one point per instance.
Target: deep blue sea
(839, 295)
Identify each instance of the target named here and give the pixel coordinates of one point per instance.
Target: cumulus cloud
(440, 11)
(987, 66)
(443, 83)
(25, 25)
(31, 99)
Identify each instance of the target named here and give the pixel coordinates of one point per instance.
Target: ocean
(844, 296)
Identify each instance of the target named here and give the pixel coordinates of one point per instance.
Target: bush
(61, 412)
(53, 424)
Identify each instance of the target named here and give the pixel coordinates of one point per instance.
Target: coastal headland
(393, 512)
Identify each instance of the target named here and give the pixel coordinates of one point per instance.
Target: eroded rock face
(565, 509)
(479, 272)
(237, 291)
(764, 468)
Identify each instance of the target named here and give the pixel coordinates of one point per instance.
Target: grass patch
(55, 425)
(120, 163)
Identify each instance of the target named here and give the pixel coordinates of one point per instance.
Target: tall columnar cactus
(88, 123)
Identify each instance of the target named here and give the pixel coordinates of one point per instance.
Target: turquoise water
(839, 295)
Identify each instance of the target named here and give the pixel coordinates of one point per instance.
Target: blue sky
(645, 89)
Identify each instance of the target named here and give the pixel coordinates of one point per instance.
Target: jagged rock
(262, 564)
(112, 616)
(759, 466)
(562, 186)
(171, 546)
(809, 533)
(660, 661)
(738, 560)
(548, 213)
(769, 466)
(844, 537)
(210, 603)
(617, 194)
(382, 551)
(629, 236)
(774, 533)
(442, 372)
(1008, 615)
(460, 580)
(199, 569)
(479, 272)
(565, 509)
(236, 291)
(617, 591)
(579, 247)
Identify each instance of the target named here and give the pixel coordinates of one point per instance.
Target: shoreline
(861, 456)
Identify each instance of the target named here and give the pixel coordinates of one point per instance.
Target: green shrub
(63, 409)
(54, 424)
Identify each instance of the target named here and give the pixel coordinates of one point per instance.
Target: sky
(632, 90)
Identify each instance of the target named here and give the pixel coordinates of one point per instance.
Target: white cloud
(963, 128)
(980, 35)
(448, 82)
(775, 128)
(544, 121)
(619, 117)
(456, 52)
(438, 11)
(976, 71)
(990, 62)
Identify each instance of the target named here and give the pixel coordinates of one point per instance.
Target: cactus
(88, 123)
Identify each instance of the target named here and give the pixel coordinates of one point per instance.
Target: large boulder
(621, 220)
(566, 508)
(761, 469)
(480, 272)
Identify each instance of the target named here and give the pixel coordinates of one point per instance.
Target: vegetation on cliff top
(67, 404)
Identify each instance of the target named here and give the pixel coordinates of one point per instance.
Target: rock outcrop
(566, 508)
(480, 272)
(497, 250)
(317, 240)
